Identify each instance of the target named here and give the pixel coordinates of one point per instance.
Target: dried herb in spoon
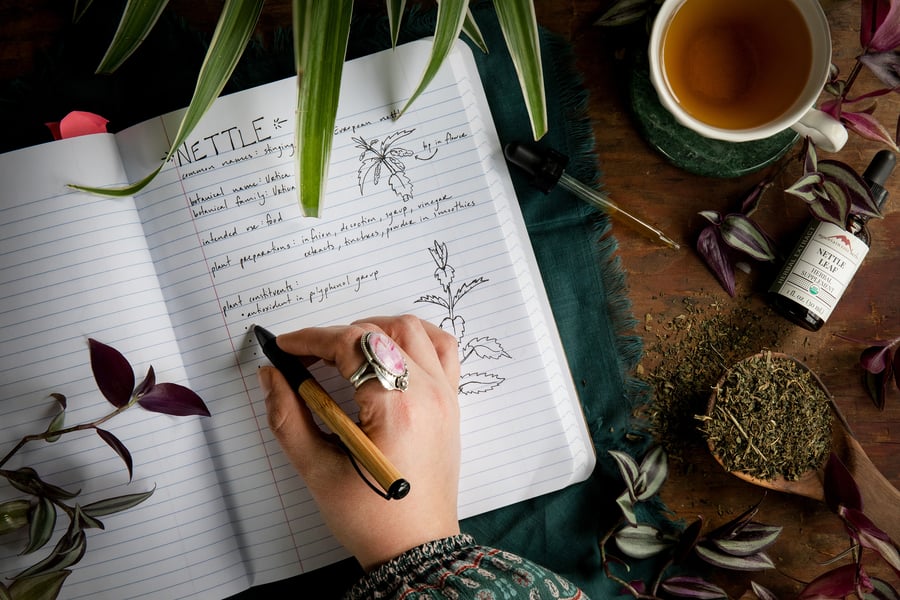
(770, 417)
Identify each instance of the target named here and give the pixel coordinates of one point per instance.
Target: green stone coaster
(691, 151)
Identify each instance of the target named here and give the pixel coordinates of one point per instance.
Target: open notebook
(175, 277)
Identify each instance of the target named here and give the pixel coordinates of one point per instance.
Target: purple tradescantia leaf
(882, 590)
(867, 126)
(693, 587)
(712, 216)
(840, 487)
(642, 541)
(833, 209)
(850, 182)
(887, 35)
(687, 541)
(751, 539)
(148, 382)
(751, 202)
(754, 562)
(629, 469)
(870, 536)
(745, 235)
(873, 13)
(877, 385)
(808, 188)
(762, 592)
(654, 470)
(112, 372)
(875, 359)
(885, 66)
(714, 251)
(837, 583)
(810, 157)
(173, 399)
(120, 449)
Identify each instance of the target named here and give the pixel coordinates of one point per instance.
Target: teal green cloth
(575, 251)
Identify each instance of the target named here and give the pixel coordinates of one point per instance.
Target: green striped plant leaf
(519, 25)
(471, 29)
(395, 16)
(321, 33)
(236, 24)
(450, 17)
(137, 20)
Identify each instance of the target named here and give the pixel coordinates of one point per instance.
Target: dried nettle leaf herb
(771, 417)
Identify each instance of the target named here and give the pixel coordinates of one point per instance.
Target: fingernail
(264, 375)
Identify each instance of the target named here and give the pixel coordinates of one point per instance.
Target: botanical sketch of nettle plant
(481, 347)
(385, 160)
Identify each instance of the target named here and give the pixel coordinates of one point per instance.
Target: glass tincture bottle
(826, 258)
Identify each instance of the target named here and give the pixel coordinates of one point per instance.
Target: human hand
(417, 430)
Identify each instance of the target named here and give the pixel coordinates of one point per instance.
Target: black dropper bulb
(877, 173)
(543, 166)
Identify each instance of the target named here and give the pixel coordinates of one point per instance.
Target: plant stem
(81, 427)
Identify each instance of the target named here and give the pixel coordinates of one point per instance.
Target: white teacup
(743, 70)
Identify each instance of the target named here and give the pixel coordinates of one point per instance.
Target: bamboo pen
(360, 447)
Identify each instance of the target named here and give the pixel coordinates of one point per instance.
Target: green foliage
(321, 34)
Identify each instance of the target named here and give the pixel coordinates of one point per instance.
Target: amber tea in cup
(735, 64)
(743, 70)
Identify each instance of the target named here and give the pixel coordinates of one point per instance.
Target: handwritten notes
(420, 217)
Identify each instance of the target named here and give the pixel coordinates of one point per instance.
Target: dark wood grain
(659, 278)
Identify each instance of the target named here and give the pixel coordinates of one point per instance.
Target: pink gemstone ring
(384, 362)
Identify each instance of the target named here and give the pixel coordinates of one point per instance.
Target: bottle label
(820, 268)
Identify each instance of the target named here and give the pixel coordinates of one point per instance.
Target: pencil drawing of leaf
(431, 298)
(486, 347)
(478, 383)
(467, 287)
(401, 185)
(455, 325)
(364, 169)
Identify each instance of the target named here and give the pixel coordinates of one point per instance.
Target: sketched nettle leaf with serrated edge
(385, 158)
(484, 347)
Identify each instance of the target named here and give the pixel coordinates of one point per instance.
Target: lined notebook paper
(420, 217)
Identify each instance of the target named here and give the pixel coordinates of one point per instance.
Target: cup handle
(824, 130)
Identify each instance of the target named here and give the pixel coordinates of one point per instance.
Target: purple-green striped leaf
(837, 583)
(754, 562)
(714, 252)
(751, 539)
(745, 235)
(693, 587)
(853, 185)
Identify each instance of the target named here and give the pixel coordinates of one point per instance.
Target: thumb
(292, 423)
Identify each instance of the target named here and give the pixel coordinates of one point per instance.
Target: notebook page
(410, 225)
(76, 266)
(573, 455)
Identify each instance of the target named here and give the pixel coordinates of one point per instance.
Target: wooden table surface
(667, 287)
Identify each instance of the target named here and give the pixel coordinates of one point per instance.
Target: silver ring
(384, 362)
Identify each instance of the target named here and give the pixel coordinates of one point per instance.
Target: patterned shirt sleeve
(456, 568)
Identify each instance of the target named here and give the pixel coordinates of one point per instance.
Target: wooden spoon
(881, 500)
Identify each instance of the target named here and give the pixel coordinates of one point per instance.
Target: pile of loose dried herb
(692, 352)
(771, 417)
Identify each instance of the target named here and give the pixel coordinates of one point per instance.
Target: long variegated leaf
(642, 541)
(395, 16)
(236, 24)
(137, 20)
(519, 25)
(450, 17)
(321, 32)
(744, 234)
(624, 12)
(471, 29)
(860, 195)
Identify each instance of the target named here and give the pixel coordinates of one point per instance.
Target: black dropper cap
(544, 166)
(877, 173)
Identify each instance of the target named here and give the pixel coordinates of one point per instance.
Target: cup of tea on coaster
(744, 70)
